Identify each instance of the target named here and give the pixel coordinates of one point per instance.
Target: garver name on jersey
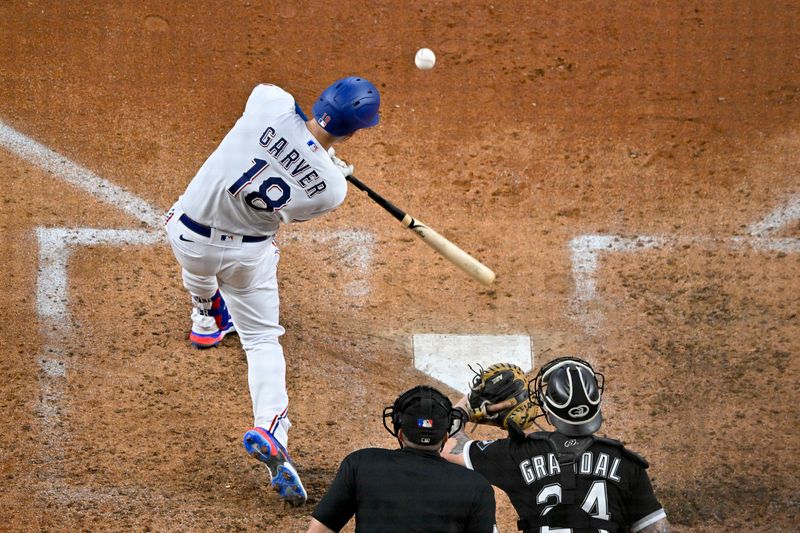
(596, 464)
(307, 182)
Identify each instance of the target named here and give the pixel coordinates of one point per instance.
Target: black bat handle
(395, 211)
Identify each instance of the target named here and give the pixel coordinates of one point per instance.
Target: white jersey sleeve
(268, 169)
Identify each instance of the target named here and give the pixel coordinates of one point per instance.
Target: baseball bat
(450, 251)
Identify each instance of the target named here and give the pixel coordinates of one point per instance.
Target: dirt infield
(630, 173)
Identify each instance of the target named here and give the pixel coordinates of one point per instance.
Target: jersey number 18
(272, 194)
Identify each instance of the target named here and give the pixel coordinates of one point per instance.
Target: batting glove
(344, 168)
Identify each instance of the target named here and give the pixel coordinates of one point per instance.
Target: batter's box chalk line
(587, 250)
(353, 249)
(78, 176)
(55, 247)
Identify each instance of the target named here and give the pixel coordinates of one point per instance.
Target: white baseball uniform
(267, 170)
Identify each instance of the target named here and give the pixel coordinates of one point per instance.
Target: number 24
(595, 503)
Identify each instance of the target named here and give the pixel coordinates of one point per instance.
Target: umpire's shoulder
(365, 454)
(464, 475)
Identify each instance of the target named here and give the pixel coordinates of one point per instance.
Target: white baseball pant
(246, 276)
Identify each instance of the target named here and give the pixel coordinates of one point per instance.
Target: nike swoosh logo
(181, 238)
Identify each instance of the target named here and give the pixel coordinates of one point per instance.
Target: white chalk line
(777, 219)
(55, 248)
(56, 245)
(586, 250)
(78, 176)
(354, 250)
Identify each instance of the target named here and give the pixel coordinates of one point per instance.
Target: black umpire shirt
(407, 490)
(612, 482)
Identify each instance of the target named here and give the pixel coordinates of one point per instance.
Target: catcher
(563, 480)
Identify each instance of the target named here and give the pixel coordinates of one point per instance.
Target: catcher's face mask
(569, 392)
(424, 414)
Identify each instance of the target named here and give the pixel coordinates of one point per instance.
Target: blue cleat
(262, 445)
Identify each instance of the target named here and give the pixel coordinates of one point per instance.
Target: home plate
(446, 357)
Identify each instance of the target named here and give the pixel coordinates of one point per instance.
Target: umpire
(411, 489)
(568, 479)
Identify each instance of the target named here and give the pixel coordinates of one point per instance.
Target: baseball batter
(275, 166)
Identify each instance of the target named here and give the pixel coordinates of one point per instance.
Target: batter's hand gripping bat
(450, 251)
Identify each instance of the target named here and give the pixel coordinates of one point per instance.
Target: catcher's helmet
(424, 414)
(569, 392)
(346, 106)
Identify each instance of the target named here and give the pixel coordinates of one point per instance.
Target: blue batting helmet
(346, 106)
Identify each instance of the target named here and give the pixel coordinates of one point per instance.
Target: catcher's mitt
(498, 383)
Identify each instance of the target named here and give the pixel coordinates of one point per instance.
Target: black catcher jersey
(590, 483)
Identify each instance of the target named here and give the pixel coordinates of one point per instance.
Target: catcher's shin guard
(262, 445)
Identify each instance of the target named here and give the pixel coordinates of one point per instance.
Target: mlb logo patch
(424, 423)
(312, 145)
(324, 119)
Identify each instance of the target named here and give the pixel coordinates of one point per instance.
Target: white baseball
(425, 59)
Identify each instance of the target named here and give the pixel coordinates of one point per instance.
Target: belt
(205, 231)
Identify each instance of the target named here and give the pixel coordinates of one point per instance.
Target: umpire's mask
(569, 392)
(424, 414)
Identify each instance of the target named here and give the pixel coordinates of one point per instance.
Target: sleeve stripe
(652, 518)
(467, 461)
